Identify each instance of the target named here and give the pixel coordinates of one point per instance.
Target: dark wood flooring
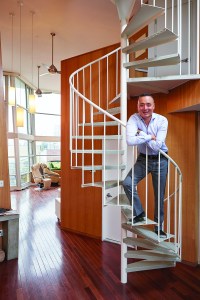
(54, 264)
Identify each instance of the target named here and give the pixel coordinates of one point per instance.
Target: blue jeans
(139, 174)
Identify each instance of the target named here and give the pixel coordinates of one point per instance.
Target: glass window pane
(23, 148)
(11, 147)
(10, 118)
(25, 178)
(47, 125)
(24, 165)
(47, 151)
(12, 171)
(49, 104)
(13, 181)
(20, 93)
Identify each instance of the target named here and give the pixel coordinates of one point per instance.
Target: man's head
(146, 106)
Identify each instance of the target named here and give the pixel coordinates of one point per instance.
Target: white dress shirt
(157, 126)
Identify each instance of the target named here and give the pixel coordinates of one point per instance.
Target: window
(11, 162)
(47, 125)
(24, 160)
(38, 140)
(47, 118)
(47, 151)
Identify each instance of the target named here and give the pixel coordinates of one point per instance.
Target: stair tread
(164, 247)
(149, 265)
(97, 151)
(159, 38)
(100, 167)
(113, 111)
(108, 184)
(151, 255)
(139, 85)
(145, 232)
(123, 201)
(96, 124)
(116, 99)
(146, 14)
(164, 60)
(97, 137)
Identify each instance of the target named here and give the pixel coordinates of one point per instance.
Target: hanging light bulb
(38, 91)
(11, 90)
(31, 102)
(20, 117)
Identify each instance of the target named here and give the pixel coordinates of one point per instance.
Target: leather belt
(152, 156)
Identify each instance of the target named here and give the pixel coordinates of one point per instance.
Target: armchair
(55, 177)
(39, 178)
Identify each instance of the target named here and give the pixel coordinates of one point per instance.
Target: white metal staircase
(97, 132)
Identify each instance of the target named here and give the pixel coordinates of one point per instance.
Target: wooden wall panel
(4, 172)
(81, 208)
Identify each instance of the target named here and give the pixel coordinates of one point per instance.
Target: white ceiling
(80, 26)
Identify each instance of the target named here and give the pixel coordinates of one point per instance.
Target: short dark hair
(145, 94)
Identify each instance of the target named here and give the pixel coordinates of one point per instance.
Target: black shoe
(162, 234)
(139, 218)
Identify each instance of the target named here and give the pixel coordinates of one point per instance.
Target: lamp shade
(31, 107)
(11, 96)
(20, 117)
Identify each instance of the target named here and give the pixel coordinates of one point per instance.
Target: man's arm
(156, 143)
(134, 136)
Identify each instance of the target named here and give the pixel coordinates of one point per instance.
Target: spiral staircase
(99, 93)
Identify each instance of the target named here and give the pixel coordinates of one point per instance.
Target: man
(147, 130)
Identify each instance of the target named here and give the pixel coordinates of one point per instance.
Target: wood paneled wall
(81, 208)
(4, 172)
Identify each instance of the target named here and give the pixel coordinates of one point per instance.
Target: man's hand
(153, 137)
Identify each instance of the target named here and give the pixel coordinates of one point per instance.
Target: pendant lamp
(20, 116)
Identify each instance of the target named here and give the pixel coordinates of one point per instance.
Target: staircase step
(149, 265)
(147, 233)
(100, 167)
(151, 255)
(97, 124)
(88, 151)
(146, 221)
(159, 38)
(127, 212)
(145, 16)
(116, 99)
(108, 184)
(98, 137)
(164, 247)
(138, 85)
(113, 111)
(122, 201)
(165, 60)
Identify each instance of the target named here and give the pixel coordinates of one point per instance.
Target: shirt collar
(152, 117)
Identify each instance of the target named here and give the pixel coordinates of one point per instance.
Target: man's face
(146, 107)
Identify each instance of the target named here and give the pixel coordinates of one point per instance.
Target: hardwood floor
(54, 264)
